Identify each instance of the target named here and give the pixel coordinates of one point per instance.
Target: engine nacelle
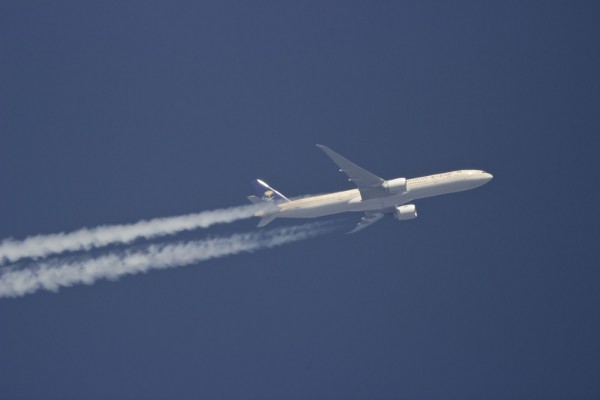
(406, 212)
(395, 185)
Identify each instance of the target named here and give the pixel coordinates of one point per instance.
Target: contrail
(88, 238)
(52, 275)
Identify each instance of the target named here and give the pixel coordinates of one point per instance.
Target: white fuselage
(351, 201)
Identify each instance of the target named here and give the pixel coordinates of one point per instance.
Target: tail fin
(266, 193)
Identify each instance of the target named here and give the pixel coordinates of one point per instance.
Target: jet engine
(406, 212)
(395, 185)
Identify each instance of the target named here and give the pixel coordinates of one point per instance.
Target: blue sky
(115, 112)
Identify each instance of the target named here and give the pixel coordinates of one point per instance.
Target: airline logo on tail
(268, 196)
(267, 193)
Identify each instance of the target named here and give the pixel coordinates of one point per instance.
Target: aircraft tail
(266, 193)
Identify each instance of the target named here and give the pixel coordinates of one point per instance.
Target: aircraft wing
(369, 184)
(366, 221)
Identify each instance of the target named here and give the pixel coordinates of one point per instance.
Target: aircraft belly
(313, 211)
(382, 203)
(432, 190)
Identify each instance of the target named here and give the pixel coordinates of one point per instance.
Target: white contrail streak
(87, 238)
(52, 275)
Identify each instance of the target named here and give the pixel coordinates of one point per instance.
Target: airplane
(374, 196)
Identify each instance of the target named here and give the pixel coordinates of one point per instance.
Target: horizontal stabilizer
(254, 200)
(266, 220)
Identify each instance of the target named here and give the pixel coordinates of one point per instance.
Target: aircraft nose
(487, 177)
